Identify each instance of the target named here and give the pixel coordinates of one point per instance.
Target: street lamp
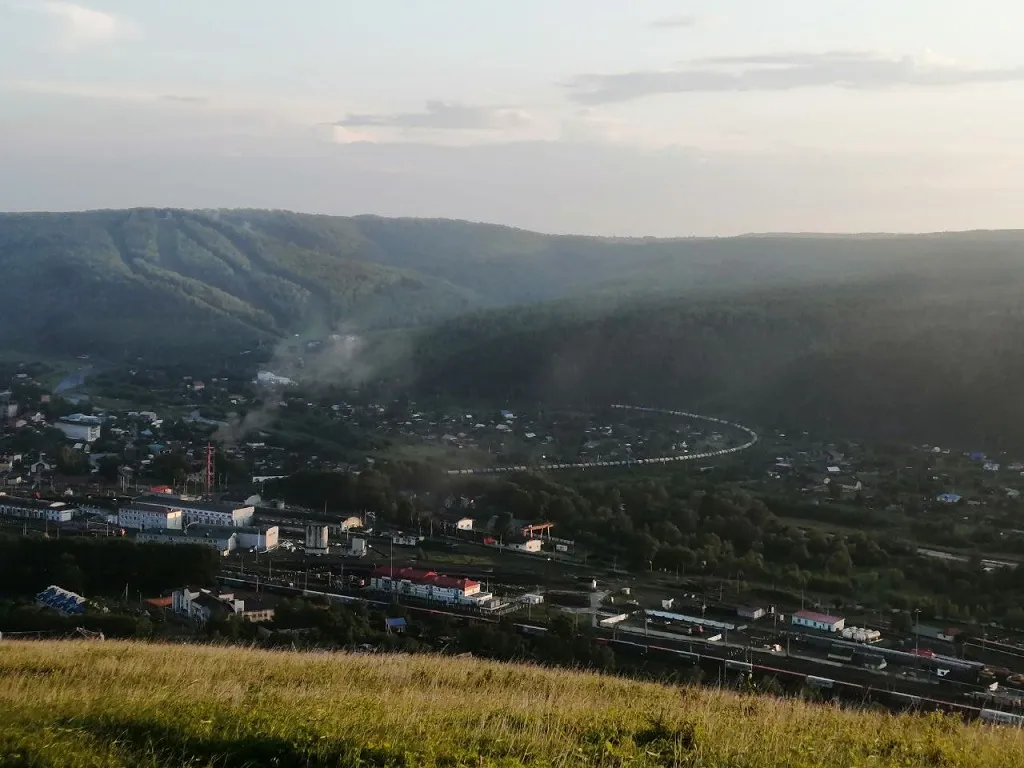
(917, 631)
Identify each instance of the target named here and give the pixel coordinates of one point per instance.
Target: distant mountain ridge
(171, 280)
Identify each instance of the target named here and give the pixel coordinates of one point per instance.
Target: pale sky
(634, 117)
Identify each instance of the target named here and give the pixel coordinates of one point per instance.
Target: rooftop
(25, 503)
(176, 502)
(418, 576)
(824, 618)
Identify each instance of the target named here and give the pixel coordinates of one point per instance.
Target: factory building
(224, 541)
(80, 427)
(201, 512)
(427, 585)
(819, 621)
(316, 539)
(145, 518)
(36, 509)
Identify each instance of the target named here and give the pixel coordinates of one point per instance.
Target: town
(394, 513)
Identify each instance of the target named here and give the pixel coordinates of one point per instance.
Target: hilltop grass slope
(119, 704)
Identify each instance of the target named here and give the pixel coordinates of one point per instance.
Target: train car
(871, 660)
(997, 717)
(819, 682)
(841, 653)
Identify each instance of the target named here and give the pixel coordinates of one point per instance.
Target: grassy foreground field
(122, 704)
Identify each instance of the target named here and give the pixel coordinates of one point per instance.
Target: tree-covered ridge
(168, 280)
(105, 281)
(899, 358)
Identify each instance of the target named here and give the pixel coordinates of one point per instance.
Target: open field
(120, 704)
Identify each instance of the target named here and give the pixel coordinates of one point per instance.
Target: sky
(611, 117)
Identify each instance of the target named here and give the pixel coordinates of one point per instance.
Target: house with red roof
(425, 585)
(819, 621)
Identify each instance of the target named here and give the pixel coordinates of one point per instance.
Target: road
(73, 380)
(657, 460)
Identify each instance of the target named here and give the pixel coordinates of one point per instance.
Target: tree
(108, 467)
(170, 468)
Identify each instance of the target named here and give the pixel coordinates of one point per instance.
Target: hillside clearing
(121, 704)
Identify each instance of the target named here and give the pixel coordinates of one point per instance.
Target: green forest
(877, 337)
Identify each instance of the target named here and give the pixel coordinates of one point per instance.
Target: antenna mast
(209, 469)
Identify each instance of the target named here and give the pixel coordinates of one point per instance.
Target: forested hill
(158, 280)
(917, 337)
(170, 281)
(919, 358)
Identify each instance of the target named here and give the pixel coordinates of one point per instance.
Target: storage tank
(316, 539)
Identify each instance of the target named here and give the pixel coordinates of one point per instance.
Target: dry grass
(122, 704)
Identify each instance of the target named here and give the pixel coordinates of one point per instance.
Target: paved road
(658, 460)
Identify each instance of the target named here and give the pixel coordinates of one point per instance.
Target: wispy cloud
(79, 26)
(185, 99)
(786, 71)
(441, 115)
(676, 22)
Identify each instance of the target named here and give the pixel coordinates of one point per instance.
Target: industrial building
(80, 427)
(199, 511)
(145, 518)
(530, 545)
(36, 509)
(820, 621)
(428, 585)
(317, 537)
(260, 538)
(225, 540)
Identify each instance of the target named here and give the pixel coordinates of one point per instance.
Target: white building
(201, 512)
(465, 524)
(146, 518)
(530, 545)
(36, 509)
(203, 604)
(317, 537)
(261, 538)
(223, 541)
(351, 522)
(80, 427)
(819, 621)
(427, 585)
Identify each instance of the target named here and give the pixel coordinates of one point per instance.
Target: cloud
(182, 99)
(786, 71)
(676, 22)
(81, 26)
(441, 115)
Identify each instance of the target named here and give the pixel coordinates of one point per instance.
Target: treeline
(688, 528)
(897, 359)
(95, 567)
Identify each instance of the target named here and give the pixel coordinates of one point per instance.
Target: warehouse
(146, 518)
(224, 541)
(201, 512)
(36, 509)
(819, 621)
(426, 585)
